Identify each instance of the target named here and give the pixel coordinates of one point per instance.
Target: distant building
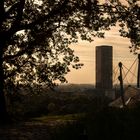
(104, 67)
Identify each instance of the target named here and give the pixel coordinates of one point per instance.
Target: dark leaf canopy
(35, 34)
(128, 15)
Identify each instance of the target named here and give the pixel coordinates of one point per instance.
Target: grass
(62, 127)
(61, 118)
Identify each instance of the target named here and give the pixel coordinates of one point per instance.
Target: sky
(86, 53)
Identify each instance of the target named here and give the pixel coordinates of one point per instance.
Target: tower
(104, 67)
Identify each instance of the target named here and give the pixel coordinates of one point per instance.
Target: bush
(69, 131)
(115, 124)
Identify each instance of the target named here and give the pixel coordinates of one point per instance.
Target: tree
(128, 15)
(34, 39)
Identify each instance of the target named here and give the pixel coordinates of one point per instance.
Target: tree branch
(19, 14)
(16, 70)
(11, 9)
(2, 12)
(5, 58)
(16, 24)
(55, 11)
(31, 44)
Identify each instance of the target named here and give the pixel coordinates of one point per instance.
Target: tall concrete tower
(104, 67)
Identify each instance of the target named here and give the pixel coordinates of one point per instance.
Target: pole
(138, 75)
(121, 84)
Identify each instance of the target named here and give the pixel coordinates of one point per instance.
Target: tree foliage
(35, 36)
(128, 14)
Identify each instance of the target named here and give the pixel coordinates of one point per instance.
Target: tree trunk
(3, 111)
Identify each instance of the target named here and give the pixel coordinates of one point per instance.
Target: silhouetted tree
(128, 14)
(35, 37)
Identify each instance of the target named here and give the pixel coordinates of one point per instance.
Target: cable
(115, 73)
(132, 78)
(129, 70)
(125, 77)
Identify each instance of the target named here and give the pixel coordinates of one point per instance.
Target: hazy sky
(86, 52)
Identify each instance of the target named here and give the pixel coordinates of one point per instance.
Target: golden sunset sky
(86, 53)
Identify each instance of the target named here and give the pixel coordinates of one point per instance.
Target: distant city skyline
(86, 53)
